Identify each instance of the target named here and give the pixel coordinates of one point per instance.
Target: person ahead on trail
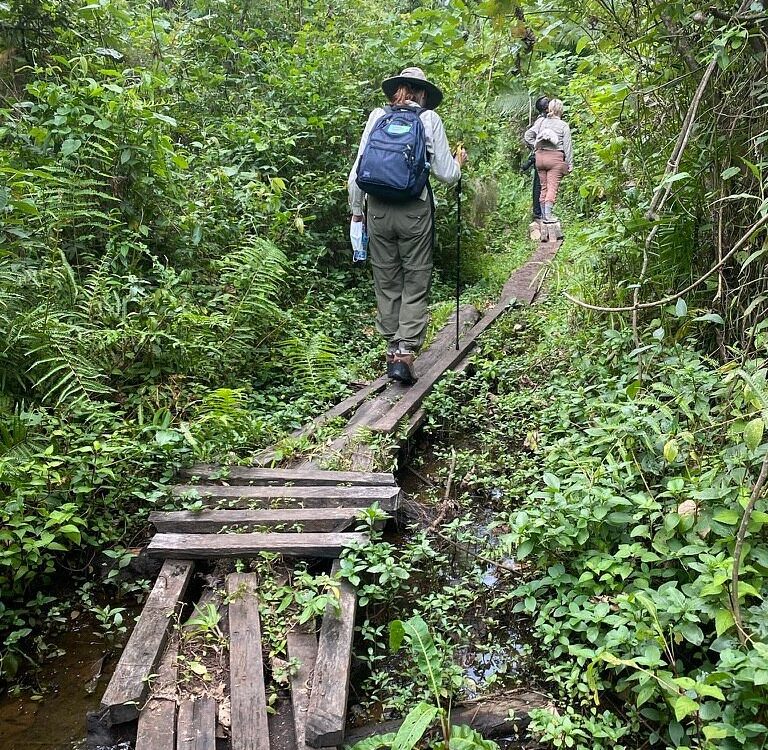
(542, 106)
(550, 138)
(399, 219)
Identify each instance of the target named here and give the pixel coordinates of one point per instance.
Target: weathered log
(213, 521)
(327, 713)
(491, 718)
(128, 688)
(303, 648)
(251, 475)
(196, 725)
(307, 497)
(246, 667)
(203, 546)
(157, 721)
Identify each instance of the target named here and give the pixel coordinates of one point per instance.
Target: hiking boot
(402, 368)
(390, 364)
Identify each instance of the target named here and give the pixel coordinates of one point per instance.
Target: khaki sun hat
(413, 77)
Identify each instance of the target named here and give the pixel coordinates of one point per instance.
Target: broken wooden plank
(253, 475)
(213, 521)
(196, 724)
(246, 666)
(194, 546)
(327, 713)
(518, 287)
(302, 649)
(307, 497)
(127, 690)
(157, 721)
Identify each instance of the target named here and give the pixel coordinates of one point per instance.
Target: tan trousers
(400, 247)
(551, 167)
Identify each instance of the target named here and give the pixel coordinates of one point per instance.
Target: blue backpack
(394, 165)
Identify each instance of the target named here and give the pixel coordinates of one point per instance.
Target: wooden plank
(213, 521)
(303, 648)
(194, 546)
(246, 666)
(253, 475)
(306, 497)
(157, 721)
(128, 688)
(327, 713)
(157, 726)
(519, 287)
(196, 725)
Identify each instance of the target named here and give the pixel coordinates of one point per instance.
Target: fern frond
(312, 362)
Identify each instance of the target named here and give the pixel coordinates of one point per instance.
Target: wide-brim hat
(413, 77)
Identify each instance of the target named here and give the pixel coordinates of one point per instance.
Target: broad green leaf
(377, 742)
(726, 174)
(753, 433)
(670, 451)
(427, 657)
(681, 308)
(551, 481)
(723, 621)
(729, 517)
(413, 727)
(684, 706)
(582, 44)
(524, 549)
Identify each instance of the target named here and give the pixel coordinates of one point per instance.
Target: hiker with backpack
(550, 138)
(542, 106)
(403, 144)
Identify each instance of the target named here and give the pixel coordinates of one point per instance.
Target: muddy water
(69, 686)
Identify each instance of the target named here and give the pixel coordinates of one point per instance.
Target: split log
(251, 475)
(213, 521)
(490, 718)
(203, 546)
(127, 690)
(196, 725)
(307, 497)
(327, 713)
(303, 648)
(246, 667)
(157, 721)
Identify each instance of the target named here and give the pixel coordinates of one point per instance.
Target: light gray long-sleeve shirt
(442, 163)
(561, 128)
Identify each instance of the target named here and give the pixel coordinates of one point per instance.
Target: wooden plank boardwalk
(303, 510)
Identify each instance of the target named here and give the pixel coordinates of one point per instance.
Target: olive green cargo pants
(400, 247)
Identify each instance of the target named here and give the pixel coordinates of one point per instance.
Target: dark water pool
(69, 686)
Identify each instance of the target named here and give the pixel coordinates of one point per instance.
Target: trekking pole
(458, 256)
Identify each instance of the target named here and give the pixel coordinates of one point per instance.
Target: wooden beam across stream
(127, 690)
(207, 546)
(307, 497)
(254, 475)
(214, 521)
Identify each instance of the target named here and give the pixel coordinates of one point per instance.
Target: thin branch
(673, 297)
(740, 537)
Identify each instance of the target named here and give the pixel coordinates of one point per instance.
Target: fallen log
(490, 718)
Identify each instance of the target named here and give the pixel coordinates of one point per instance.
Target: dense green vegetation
(175, 284)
